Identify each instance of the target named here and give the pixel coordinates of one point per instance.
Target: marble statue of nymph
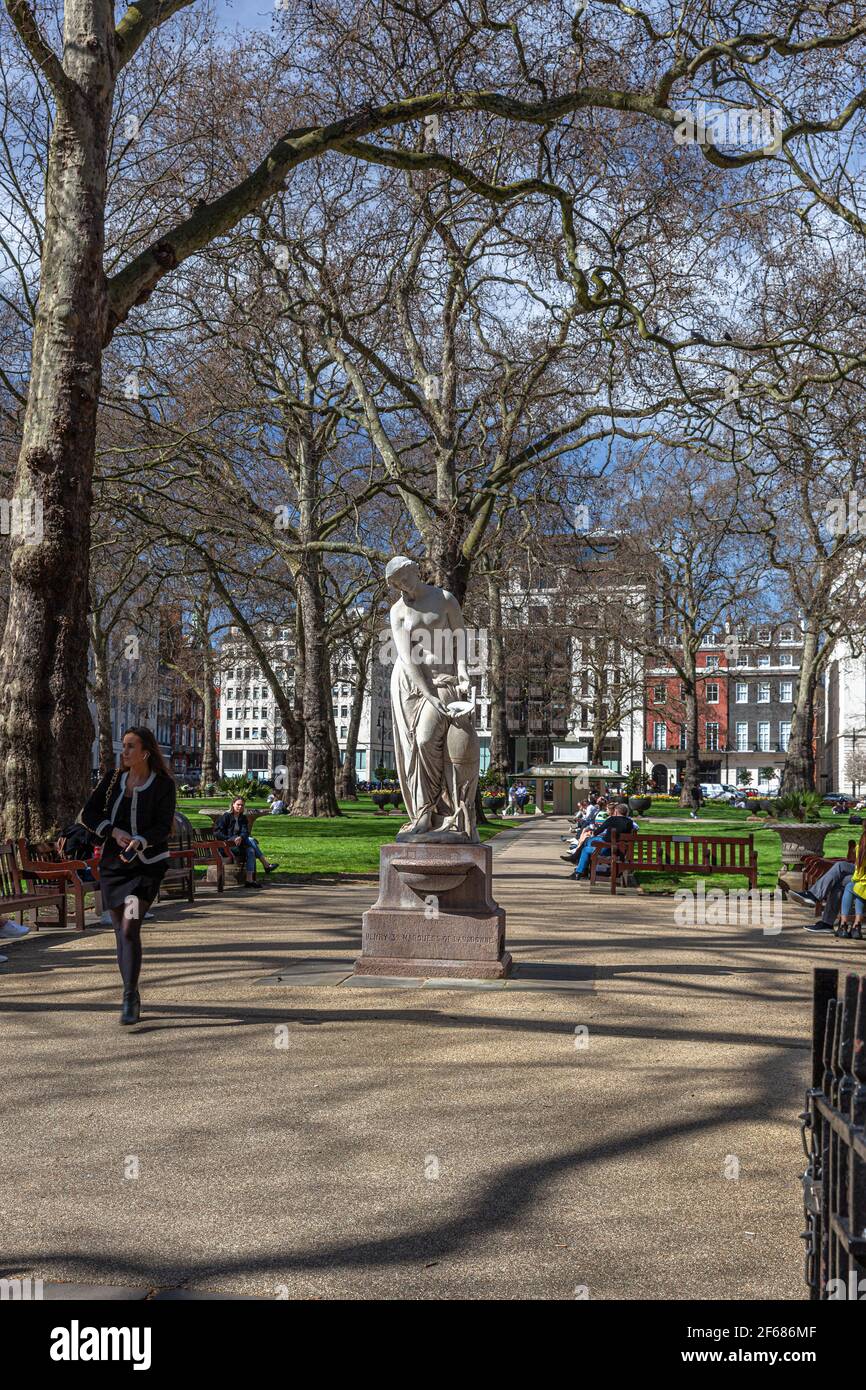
(433, 709)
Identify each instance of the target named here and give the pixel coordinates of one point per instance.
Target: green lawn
(350, 844)
(307, 845)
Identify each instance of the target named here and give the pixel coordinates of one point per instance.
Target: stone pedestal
(435, 914)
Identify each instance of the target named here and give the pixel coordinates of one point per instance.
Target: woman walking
(132, 812)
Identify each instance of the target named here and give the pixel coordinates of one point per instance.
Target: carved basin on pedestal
(433, 875)
(799, 838)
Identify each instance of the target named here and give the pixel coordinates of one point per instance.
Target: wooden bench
(41, 864)
(815, 865)
(187, 848)
(14, 898)
(678, 854)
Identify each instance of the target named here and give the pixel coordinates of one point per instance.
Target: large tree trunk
(315, 794)
(208, 752)
(348, 784)
(328, 703)
(496, 683)
(101, 691)
(692, 773)
(798, 774)
(45, 728)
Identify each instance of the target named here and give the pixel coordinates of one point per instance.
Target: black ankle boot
(131, 1006)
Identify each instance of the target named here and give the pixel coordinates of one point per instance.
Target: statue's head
(402, 573)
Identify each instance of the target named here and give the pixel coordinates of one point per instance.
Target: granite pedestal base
(435, 915)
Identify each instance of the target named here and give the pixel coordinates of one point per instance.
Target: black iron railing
(834, 1137)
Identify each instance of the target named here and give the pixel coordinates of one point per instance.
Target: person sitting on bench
(620, 823)
(234, 829)
(827, 890)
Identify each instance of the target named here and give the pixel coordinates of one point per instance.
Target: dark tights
(127, 930)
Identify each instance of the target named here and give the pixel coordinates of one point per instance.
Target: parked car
(713, 791)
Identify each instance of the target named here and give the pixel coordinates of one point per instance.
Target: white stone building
(251, 735)
(844, 743)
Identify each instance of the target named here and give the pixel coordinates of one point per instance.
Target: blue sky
(249, 14)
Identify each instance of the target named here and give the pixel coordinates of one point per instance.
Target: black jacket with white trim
(151, 815)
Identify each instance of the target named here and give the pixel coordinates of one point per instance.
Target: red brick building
(664, 718)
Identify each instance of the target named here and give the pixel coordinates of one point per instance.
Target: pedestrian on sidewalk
(131, 812)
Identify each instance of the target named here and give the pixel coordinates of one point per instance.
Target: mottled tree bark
(208, 752)
(798, 773)
(348, 782)
(45, 725)
(315, 795)
(496, 677)
(101, 691)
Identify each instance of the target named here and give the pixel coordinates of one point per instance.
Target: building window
(660, 736)
(362, 760)
(712, 692)
(763, 692)
(786, 634)
(786, 692)
(786, 658)
(764, 659)
(659, 694)
(712, 663)
(343, 731)
(742, 693)
(228, 733)
(713, 738)
(763, 737)
(237, 732)
(246, 733)
(742, 736)
(784, 734)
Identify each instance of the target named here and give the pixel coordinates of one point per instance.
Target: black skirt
(119, 881)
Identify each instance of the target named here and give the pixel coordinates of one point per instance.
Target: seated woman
(854, 896)
(233, 828)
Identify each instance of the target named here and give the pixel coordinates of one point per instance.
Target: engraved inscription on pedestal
(435, 914)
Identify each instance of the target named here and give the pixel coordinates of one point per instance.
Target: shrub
(240, 786)
(801, 806)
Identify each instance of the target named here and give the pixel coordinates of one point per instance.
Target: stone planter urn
(380, 799)
(639, 805)
(492, 804)
(799, 838)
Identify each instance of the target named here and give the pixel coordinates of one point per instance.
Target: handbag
(76, 842)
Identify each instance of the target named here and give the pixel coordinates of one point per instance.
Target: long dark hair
(155, 759)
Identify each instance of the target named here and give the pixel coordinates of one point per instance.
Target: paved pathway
(319, 1141)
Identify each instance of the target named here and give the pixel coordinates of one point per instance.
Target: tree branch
(42, 54)
(141, 19)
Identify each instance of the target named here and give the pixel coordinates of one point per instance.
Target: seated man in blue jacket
(620, 823)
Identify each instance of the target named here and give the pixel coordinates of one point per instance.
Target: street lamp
(381, 725)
